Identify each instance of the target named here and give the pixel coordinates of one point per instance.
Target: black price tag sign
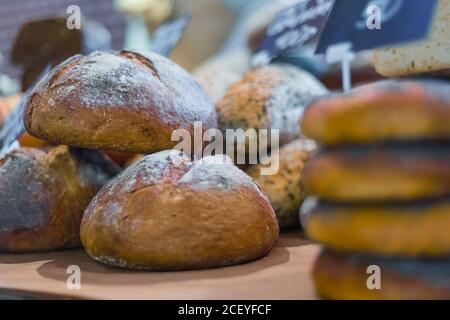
(368, 24)
(294, 27)
(167, 35)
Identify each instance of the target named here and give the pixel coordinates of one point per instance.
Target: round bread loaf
(370, 174)
(44, 193)
(284, 188)
(340, 276)
(169, 213)
(117, 101)
(415, 229)
(269, 97)
(383, 111)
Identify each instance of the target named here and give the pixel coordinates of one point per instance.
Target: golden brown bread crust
(284, 188)
(396, 173)
(415, 229)
(269, 97)
(339, 276)
(386, 110)
(44, 193)
(118, 101)
(168, 213)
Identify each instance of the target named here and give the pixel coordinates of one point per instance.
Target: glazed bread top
(389, 110)
(122, 101)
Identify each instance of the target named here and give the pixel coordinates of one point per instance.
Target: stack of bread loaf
(382, 182)
(166, 212)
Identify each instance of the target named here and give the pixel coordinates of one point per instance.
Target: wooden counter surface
(284, 274)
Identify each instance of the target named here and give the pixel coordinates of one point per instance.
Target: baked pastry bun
(373, 174)
(340, 276)
(44, 193)
(409, 229)
(122, 101)
(269, 97)
(382, 111)
(169, 213)
(284, 188)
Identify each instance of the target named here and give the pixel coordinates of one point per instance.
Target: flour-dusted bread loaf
(424, 56)
(379, 174)
(122, 101)
(169, 213)
(284, 188)
(345, 276)
(44, 193)
(404, 229)
(269, 97)
(388, 110)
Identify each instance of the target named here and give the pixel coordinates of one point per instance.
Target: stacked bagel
(380, 190)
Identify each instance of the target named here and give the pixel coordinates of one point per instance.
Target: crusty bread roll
(396, 173)
(382, 111)
(169, 213)
(44, 193)
(284, 188)
(269, 97)
(118, 101)
(424, 56)
(408, 229)
(340, 276)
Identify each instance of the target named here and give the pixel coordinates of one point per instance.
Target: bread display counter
(283, 274)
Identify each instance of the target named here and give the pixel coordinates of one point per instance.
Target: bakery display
(380, 187)
(287, 158)
(123, 101)
(269, 97)
(44, 193)
(387, 110)
(284, 187)
(341, 276)
(424, 56)
(167, 212)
